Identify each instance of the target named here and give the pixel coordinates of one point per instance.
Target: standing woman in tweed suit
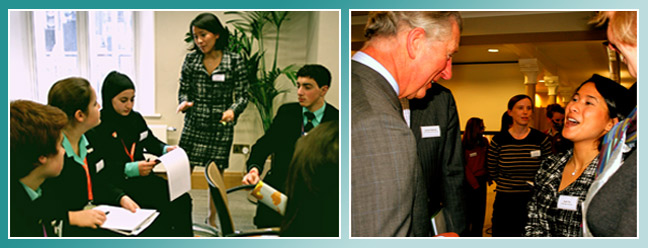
(213, 93)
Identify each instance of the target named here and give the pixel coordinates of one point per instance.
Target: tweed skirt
(207, 144)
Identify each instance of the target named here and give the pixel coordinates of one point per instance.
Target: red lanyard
(130, 154)
(85, 167)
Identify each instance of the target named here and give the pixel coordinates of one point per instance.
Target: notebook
(123, 221)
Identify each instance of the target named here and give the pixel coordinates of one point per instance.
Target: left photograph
(174, 123)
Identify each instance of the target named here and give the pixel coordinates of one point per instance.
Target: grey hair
(437, 24)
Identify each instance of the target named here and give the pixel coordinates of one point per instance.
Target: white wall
(302, 34)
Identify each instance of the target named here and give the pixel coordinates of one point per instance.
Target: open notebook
(123, 221)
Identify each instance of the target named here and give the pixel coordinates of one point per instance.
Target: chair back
(219, 196)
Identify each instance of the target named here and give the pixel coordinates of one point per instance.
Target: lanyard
(85, 167)
(130, 154)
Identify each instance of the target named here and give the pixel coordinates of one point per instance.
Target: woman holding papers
(74, 193)
(124, 134)
(563, 179)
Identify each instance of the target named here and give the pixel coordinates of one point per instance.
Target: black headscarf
(111, 121)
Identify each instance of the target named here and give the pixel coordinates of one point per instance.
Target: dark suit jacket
(441, 157)
(388, 195)
(27, 216)
(280, 140)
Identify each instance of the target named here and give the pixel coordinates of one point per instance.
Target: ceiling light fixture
(493, 50)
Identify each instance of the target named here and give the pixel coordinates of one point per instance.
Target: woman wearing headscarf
(124, 134)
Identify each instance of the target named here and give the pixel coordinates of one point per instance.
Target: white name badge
(567, 202)
(218, 77)
(473, 154)
(143, 135)
(99, 165)
(535, 153)
(89, 150)
(430, 131)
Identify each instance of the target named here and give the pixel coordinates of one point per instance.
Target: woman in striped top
(513, 160)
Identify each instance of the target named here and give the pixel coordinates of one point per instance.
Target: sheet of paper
(126, 222)
(178, 172)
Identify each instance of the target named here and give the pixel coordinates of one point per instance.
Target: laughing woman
(513, 159)
(563, 180)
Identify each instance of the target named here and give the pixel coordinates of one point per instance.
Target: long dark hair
(312, 185)
(210, 22)
(473, 134)
(507, 121)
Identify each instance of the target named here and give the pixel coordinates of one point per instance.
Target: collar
(372, 63)
(83, 143)
(33, 194)
(319, 114)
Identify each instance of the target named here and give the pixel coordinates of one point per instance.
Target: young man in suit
(405, 52)
(292, 121)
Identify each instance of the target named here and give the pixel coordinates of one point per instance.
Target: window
(89, 44)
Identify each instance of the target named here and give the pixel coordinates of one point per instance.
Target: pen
(107, 212)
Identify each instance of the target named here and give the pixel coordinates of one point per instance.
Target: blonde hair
(437, 24)
(622, 24)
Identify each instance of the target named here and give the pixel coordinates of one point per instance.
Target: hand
(128, 203)
(184, 106)
(91, 218)
(228, 116)
(252, 177)
(145, 167)
(171, 148)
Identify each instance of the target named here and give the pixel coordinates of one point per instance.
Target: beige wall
(484, 90)
(304, 38)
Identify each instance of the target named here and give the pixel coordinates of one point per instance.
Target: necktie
(310, 116)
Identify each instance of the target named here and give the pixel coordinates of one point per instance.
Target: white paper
(177, 167)
(123, 221)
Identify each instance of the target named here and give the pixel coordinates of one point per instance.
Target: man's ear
(323, 90)
(42, 160)
(79, 115)
(415, 41)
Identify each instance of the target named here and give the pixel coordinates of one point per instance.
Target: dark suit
(388, 195)
(280, 140)
(27, 217)
(441, 156)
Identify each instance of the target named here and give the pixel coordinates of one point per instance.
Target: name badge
(218, 77)
(472, 154)
(99, 165)
(143, 135)
(430, 131)
(567, 202)
(535, 153)
(90, 150)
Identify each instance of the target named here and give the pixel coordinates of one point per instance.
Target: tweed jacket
(388, 195)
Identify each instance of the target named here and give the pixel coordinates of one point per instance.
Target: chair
(219, 196)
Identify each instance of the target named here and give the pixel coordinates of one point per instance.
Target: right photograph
(493, 123)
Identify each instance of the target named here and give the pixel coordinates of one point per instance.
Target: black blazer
(69, 190)
(441, 157)
(280, 140)
(28, 218)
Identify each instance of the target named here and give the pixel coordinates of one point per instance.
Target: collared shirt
(545, 218)
(372, 63)
(319, 114)
(69, 151)
(33, 194)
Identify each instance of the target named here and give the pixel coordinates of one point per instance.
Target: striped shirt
(513, 163)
